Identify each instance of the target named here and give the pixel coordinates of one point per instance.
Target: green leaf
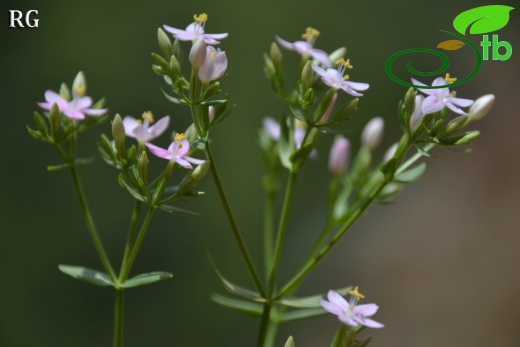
(79, 161)
(173, 100)
(247, 307)
(233, 288)
(146, 278)
(81, 273)
(212, 102)
(310, 301)
(483, 19)
(297, 113)
(363, 343)
(388, 169)
(303, 313)
(131, 190)
(178, 211)
(411, 175)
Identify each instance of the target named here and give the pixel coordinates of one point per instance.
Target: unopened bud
(339, 157)
(189, 182)
(213, 89)
(290, 342)
(164, 43)
(417, 115)
(65, 92)
(481, 107)
(338, 54)
(198, 53)
(55, 121)
(455, 125)
(211, 113)
(373, 133)
(468, 138)
(390, 152)
(176, 49)
(175, 67)
(118, 129)
(346, 110)
(276, 55)
(328, 111)
(307, 75)
(79, 86)
(409, 100)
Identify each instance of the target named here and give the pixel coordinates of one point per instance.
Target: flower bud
(65, 92)
(176, 49)
(390, 152)
(79, 86)
(189, 182)
(468, 138)
(454, 125)
(164, 43)
(276, 55)
(55, 121)
(338, 54)
(198, 53)
(346, 110)
(307, 75)
(481, 107)
(175, 67)
(417, 115)
(339, 157)
(373, 133)
(118, 129)
(290, 342)
(142, 167)
(211, 113)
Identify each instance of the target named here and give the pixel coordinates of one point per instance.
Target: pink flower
(196, 30)
(176, 152)
(334, 78)
(141, 130)
(349, 312)
(214, 66)
(272, 128)
(438, 98)
(373, 133)
(417, 116)
(77, 108)
(305, 48)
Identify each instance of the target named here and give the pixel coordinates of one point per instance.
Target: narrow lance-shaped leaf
(91, 276)
(146, 278)
(246, 307)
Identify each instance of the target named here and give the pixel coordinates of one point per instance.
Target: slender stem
(125, 271)
(118, 318)
(281, 231)
(414, 158)
(90, 224)
(340, 335)
(232, 221)
(131, 235)
(270, 198)
(264, 325)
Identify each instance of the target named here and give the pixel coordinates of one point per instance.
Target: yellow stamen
(449, 79)
(148, 116)
(310, 33)
(213, 55)
(345, 63)
(64, 97)
(201, 18)
(453, 93)
(346, 77)
(179, 137)
(299, 124)
(356, 293)
(81, 90)
(139, 121)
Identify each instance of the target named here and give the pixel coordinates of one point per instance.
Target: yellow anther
(356, 293)
(213, 55)
(453, 93)
(345, 63)
(64, 97)
(148, 116)
(346, 77)
(139, 121)
(299, 124)
(310, 33)
(449, 79)
(179, 137)
(201, 18)
(80, 90)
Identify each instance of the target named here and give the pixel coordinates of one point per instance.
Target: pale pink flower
(306, 48)
(438, 98)
(335, 78)
(214, 66)
(350, 312)
(481, 107)
(373, 133)
(272, 128)
(77, 108)
(417, 116)
(141, 130)
(176, 152)
(196, 30)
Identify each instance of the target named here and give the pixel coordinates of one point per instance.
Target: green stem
(118, 318)
(413, 159)
(90, 224)
(125, 271)
(232, 221)
(270, 198)
(281, 231)
(131, 235)
(264, 325)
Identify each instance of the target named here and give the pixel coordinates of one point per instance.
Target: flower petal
(160, 152)
(321, 56)
(338, 300)
(366, 309)
(425, 91)
(348, 321)
(159, 127)
(459, 101)
(285, 44)
(369, 322)
(334, 309)
(183, 162)
(129, 124)
(431, 104)
(272, 128)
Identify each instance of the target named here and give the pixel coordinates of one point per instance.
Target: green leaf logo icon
(482, 20)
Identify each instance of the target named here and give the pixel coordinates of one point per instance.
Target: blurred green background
(441, 262)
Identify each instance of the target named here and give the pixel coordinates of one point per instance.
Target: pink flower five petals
(77, 108)
(438, 98)
(334, 78)
(143, 132)
(214, 66)
(176, 152)
(306, 48)
(350, 313)
(196, 30)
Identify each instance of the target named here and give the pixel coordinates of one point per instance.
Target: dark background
(441, 262)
